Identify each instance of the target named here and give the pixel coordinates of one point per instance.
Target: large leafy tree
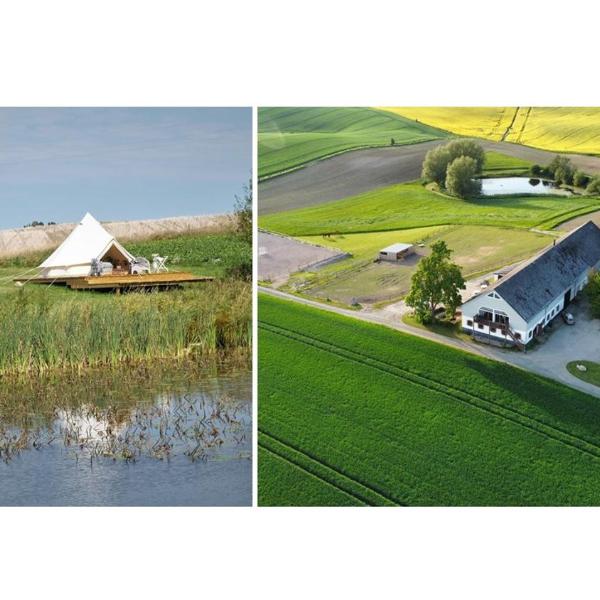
(460, 178)
(438, 159)
(437, 281)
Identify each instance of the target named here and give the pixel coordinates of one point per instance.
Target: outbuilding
(396, 252)
(519, 306)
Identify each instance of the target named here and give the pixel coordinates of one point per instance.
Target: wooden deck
(122, 282)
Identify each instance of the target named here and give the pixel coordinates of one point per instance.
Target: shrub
(535, 170)
(561, 170)
(594, 186)
(460, 178)
(580, 179)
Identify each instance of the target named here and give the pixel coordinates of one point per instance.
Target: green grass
(477, 249)
(211, 254)
(390, 418)
(496, 162)
(410, 205)
(48, 328)
(292, 137)
(592, 375)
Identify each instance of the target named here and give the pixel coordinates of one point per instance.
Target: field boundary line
(515, 416)
(388, 499)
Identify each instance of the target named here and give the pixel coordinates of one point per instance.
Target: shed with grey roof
(396, 252)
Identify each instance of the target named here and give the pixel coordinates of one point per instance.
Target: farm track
(486, 405)
(360, 171)
(359, 490)
(510, 126)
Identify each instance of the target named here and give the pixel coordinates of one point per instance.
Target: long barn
(520, 305)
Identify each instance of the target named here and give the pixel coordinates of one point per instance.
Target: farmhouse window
(518, 336)
(469, 323)
(479, 325)
(487, 314)
(492, 330)
(501, 318)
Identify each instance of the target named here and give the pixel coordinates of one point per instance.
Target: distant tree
(593, 293)
(580, 179)
(535, 170)
(593, 186)
(460, 178)
(436, 281)
(458, 148)
(392, 142)
(435, 165)
(243, 213)
(438, 159)
(561, 170)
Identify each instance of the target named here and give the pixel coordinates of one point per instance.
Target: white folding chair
(159, 263)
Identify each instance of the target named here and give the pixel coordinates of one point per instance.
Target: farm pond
(497, 186)
(135, 437)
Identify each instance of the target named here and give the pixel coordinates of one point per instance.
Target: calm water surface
(495, 186)
(122, 439)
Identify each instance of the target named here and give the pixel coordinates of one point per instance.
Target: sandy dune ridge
(29, 240)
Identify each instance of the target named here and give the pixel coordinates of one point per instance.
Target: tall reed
(43, 329)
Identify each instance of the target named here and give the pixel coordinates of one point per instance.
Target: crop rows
(551, 431)
(423, 423)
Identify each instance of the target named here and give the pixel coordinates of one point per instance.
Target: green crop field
(497, 163)
(410, 205)
(355, 413)
(477, 249)
(291, 137)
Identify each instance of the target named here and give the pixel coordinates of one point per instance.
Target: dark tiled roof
(540, 280)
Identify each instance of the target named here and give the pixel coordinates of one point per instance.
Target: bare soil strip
(363, 170)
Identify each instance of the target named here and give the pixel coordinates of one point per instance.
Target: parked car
(568, 318)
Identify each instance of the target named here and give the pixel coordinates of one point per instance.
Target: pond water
(166, 438)
(495, 186)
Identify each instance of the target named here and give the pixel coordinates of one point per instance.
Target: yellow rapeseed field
(572, 129)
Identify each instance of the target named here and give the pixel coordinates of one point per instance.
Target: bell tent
(87, 243)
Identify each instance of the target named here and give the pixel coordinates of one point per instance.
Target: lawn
(591, 375)
(410, 205)
(291, 137)
(497, 163)
(571, 129)
(477, 249)
(53, 327)
(391, 419)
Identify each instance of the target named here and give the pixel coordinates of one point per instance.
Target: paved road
(548, 361)
(363, 170)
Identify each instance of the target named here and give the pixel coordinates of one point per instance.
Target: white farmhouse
(519, 305)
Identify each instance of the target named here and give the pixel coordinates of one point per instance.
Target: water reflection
(113, 437)
(494, 186)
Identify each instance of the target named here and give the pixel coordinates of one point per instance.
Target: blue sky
(121, 163)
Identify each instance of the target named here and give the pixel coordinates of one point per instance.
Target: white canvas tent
(87, 242)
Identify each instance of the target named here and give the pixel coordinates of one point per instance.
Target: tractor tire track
(379, 494)
(509, 128)
(489, 406)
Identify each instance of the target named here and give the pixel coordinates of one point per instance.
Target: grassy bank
(54, 328)
(409, 205)
(46, 328)
(362, 414)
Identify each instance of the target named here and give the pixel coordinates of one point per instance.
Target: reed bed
(43, 329)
